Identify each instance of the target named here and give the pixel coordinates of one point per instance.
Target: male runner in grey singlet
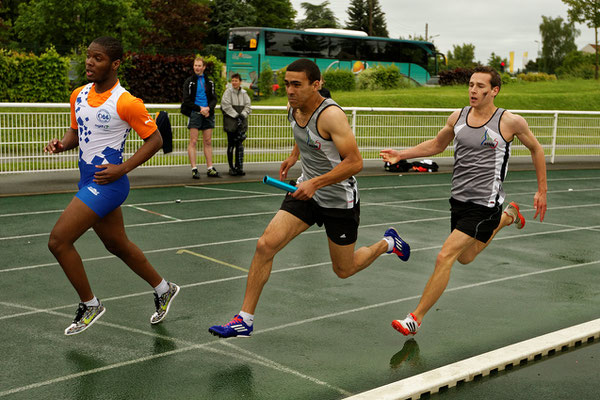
(326, 194)
(482, 136)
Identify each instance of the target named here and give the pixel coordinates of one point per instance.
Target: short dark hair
(312, 71)
(236, 75)
(495, 79)
(113, 47)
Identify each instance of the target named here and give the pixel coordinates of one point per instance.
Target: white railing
(23, 134)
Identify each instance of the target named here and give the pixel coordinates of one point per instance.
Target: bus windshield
(243, 40)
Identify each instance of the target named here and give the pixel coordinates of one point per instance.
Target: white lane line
(265, 194)
(249, 357)
(155, 213)
(230, 190)
(296, 323)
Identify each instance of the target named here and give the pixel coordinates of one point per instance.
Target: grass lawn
(578, 94)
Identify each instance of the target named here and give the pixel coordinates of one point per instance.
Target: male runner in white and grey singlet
(482, 136)
(326, 194)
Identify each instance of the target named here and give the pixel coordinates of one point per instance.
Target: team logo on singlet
(103, 116)
(315, 144)
(488, 141)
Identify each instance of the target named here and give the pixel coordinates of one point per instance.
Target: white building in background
(590, 48)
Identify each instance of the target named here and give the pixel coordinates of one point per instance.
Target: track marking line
(249, 357)
(265, 194)
(229, 190)
(153, 212)
(211, 259)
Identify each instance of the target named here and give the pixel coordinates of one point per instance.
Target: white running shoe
(512, 210)
(407, 326)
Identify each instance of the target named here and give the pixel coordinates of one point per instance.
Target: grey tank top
(480, 160)
(320, 156)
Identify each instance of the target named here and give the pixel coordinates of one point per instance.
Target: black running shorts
(341, 225)
(474, 220)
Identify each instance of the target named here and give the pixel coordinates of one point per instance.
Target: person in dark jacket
(199, 101)
(235, 105)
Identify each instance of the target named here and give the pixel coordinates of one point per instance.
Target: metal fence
(25, 128)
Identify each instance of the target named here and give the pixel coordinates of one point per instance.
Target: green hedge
(34, 79)
(339, 79)
(380, 78)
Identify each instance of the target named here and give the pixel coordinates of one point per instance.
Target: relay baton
(278, 184)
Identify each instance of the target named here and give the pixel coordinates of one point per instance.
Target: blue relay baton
(278, 184)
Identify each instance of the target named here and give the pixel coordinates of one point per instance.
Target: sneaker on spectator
(195, 174)
(212, 173)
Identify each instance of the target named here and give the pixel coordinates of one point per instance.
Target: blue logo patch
(103, 116)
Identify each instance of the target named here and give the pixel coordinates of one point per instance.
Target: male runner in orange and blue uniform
(102, 115)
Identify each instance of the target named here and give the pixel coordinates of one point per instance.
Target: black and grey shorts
(474, 220)
(341, 225)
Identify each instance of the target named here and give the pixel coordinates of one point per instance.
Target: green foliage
(536, 77)
(379, 78)
(339, 79)
(367, 16)
(457, 76)
(226, 14)
(317, 16)
(265, 81)
(462, 56)
(274, 13)
(578, 65)
(558, 39)
(176, 26)
(68, 24)
(29, 78)
(281, 82)
(495, 61)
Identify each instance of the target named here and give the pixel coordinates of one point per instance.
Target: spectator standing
(199, 101)
(235, 105)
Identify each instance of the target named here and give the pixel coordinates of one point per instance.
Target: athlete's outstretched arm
(426, 148)
(527, 137)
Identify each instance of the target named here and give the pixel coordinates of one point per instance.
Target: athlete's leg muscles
(453, 247)
(280, 231)
(73, 222)
(111, 230)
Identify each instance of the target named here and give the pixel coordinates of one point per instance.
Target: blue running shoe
(401, 248)
(235, 327)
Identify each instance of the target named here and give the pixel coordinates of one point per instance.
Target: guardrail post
(554, 131)
(354, 122)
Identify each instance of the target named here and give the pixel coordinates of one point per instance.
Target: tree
(558, 39)
(274, 13)
(177, 26)
(68, 25)
(9, 11)
(317, 16)
(461, 56)
(496, 61)
(227, 14)
(367, 16)
(588, 12)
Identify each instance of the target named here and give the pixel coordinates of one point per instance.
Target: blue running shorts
(103, 199)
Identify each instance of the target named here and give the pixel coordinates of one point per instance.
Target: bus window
(342, 48)
(243, 40)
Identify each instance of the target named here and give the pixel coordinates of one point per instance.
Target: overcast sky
(498, 26)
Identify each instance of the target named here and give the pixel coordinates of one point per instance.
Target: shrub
(536, 77)
(380, 78)
(281, 82)
(339, 79)
(457, 76)
(265, 81)
(29, 78)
